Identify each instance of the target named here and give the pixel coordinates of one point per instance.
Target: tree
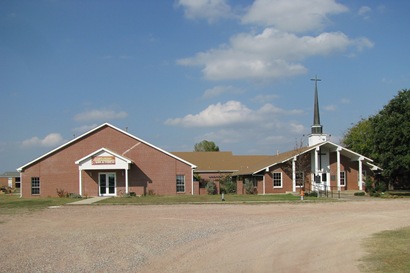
(391, 136)
(385, 137)
(206, 146)
(359, 138)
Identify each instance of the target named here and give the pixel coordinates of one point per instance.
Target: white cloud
(364, 11)
(211, 10)
(292, 16)
(330, 107)
(51, 140)
(219, 90)
(216, 115)
(271, 54)
(100, 115)
(233, 122)
(231, 113)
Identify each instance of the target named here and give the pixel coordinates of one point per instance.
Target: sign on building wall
(103, 160)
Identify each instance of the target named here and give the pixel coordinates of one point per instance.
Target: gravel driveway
(294, 237)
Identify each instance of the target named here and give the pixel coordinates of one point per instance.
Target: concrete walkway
(89, 200)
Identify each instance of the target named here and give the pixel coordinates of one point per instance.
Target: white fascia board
(287, 159)
(153, 146)
(60, 147)
(350, 152)
(103, 150)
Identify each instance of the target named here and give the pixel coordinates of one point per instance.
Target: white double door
(107, 184)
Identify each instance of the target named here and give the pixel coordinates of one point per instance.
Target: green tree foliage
(359, 138)
(385, 137)
(206, 146)
(391, 139)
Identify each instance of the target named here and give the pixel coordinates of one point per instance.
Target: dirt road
(302, 237)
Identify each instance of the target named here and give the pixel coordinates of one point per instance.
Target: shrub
(133, 194)
(311, 194)
(211, 187)
(74, 195)
(227, 185)
(249, 188)
(61, 193)
(360, 193)
(150, 192)
(380, 187)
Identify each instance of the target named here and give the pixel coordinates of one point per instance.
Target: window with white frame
(277, 180)
(343, 179)
(300, 179)
(180, 183)
(35, 185)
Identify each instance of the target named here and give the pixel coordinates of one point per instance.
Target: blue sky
(177, 72)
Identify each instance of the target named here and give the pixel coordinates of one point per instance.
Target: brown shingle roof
(236, 164)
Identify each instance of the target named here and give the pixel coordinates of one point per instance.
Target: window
(342, 179)
(17, 182)
(180, 183)
(277, 180)
(35, 185)
(300, 179)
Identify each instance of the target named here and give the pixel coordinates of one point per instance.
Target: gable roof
(21, 169)
(100, 151)
(253, 164)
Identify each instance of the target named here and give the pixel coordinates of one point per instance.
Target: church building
(108, 161)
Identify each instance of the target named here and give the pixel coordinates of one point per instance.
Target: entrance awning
(103, 159)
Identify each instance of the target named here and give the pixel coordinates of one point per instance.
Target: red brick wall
(151, 168)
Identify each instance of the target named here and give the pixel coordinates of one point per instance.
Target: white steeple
(316, 136)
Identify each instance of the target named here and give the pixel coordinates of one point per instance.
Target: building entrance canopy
(103, 159)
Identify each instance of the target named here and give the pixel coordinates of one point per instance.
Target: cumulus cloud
(51, 140)
(292, 16)
(210, 10)
(270, 54)
(234, 122)
(229, 114)
(216, 115)
(100, 115)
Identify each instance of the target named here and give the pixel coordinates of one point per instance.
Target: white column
(294, 174)
(21, 185)
(126, 181)
(192, 181)
(338, 167)
(360, 173)
(264, 185)
(80, 182)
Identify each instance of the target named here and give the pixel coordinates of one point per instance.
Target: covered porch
(108, 166)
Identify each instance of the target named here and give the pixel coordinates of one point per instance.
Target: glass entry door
(107, 184)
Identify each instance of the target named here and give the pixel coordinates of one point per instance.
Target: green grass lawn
(10, 204)
(387, 251)
(199, 199)
(14, 204)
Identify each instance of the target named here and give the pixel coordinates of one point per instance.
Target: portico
(105, 162)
